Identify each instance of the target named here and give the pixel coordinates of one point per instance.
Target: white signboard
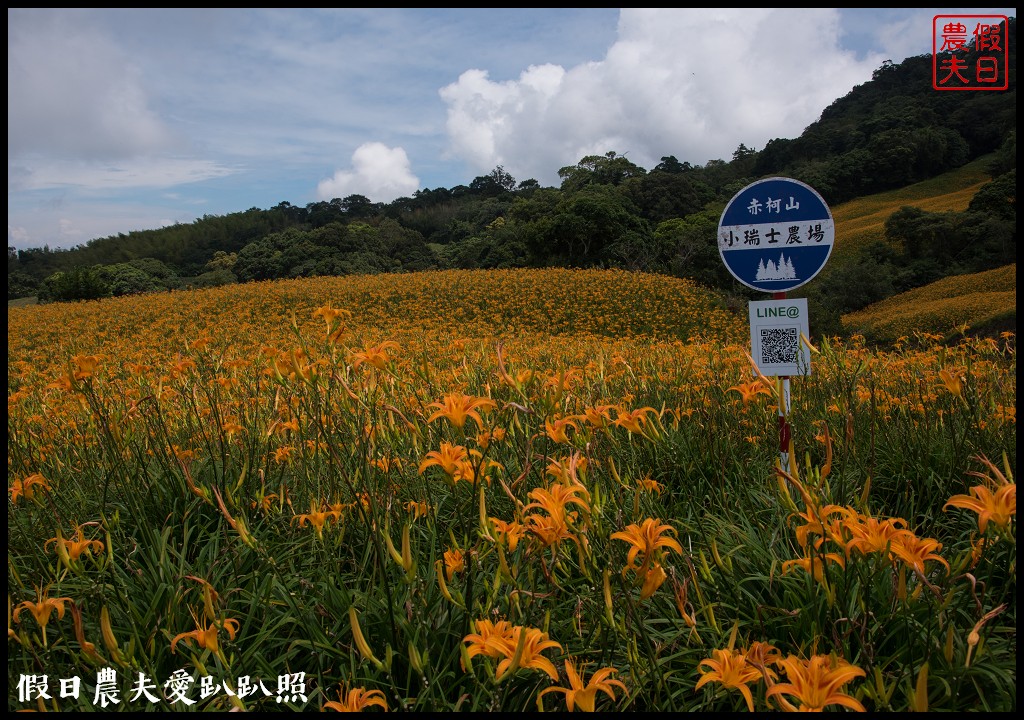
(775, 344)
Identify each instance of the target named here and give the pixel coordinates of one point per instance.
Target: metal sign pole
(785, 432)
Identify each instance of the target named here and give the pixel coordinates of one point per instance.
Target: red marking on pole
(784, 434)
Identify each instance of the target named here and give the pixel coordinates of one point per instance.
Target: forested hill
(888, 133)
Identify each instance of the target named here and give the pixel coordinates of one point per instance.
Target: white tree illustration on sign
(784, 270)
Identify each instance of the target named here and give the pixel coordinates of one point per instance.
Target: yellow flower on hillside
(915, 551)
(454, 562)
(42, 608)
(730, 668)
(509, 533)
(558, 430)
(447, 458)
(458, 408)
(86, 365)
(815, 684)
(584, 695)
(27, 487)
(645, 539)
(533, 644)
(995, 501)
(634, 420)
(377, 356)
(206, 634)
(74, 547)
(749, 391)
(330, 314)
(952, 382)
(316, 518)
(357, 700)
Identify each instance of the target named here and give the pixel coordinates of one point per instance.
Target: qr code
(780, 346)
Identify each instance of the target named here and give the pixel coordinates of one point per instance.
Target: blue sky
(134, 119)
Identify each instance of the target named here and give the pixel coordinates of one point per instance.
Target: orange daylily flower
(952, 382)
(417, 509)
(357, 700)
(206, 635)
(870, 534)
(585, 695)
(502, 640)
(468, 470)
(330, 314)
(27, 487)
(87, 365)
(760, 655)
(599, 416)
(74, 548)
(567, 470)
(454, 562)
(813, 564)
(730, 668)
(493, 640)
(749, 391)
(316, 518)
(534, 643)
(634, 420)
(653, 579)
(447, 458)
(283, 454)
(376, 356)
(915, 551)
(997, 507)
(558, 430)
(556, 499)
(508, 533)
(458, 408)
(649, 484)
(549, 530)
(42, 608)
(486, 437)
(645, 539)
(816, 683)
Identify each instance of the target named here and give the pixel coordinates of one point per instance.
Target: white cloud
(693, 83)
(17, 236)
(66, 222)
(136, 173)
(73, 92)
(380, 173)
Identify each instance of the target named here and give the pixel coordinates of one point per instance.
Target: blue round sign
(776, 234)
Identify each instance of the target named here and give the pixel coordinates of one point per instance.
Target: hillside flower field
(499, 491)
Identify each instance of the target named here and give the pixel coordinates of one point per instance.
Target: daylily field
(499, 491)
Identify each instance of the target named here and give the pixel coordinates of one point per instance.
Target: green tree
(586, 226)
(74, 284)
(694, 248)
(608, 169)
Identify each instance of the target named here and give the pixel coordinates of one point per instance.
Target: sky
(135, 119)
